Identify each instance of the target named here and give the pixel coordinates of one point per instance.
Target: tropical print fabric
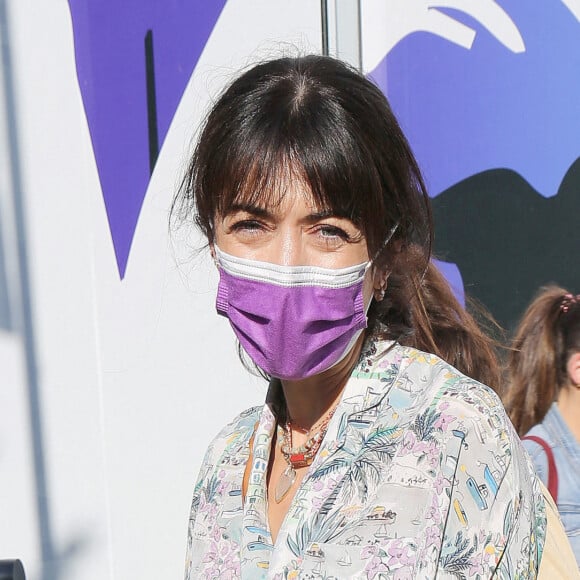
(420, 475)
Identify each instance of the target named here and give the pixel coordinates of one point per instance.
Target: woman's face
(573, 369)
(293, 233)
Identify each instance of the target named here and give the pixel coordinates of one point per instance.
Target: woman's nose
(288, 250)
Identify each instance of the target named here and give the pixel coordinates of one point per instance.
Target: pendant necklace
(297, 457)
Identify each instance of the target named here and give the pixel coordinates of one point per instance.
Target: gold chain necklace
(297, 457)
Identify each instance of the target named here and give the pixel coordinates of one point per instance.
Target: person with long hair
(543, 398)
(373, 456)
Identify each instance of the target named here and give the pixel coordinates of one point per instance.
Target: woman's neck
(309, 400)
(569, 407)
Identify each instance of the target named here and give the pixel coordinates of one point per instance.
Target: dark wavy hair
(318, 120)
(545, 339)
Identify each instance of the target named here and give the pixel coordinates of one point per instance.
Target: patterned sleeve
(496, 521)
(197, 492)
(235, 434)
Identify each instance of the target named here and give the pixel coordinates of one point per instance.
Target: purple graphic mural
(134, 59)
(496, 132)
(466, 111)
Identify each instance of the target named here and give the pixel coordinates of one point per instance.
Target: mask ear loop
(382, 290)
(213, 249)
(387, 240)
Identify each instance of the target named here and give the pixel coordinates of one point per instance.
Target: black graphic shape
(151, 101)
(508, 240)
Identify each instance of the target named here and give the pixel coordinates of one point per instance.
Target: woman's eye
(247, 226)
(331, 232)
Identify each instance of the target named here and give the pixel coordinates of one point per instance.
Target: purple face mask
(293, 321)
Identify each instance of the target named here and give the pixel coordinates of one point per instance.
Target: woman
(543, 398)
(369, 458)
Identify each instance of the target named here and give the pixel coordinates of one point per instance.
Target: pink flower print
(432, 536)
(324, 489)
(222, 485)
(223, 560)
(369, 551)
(332, 482)
(209, 511)
(433, 511)
(439, 483)
(443, 422)
(318, 485)
(374, 567)
(403, 574)
(476, 566)
(216, 533)
(421, 446)
(430, 450)
(211, 553)
(433, 457)
(400, 553)
(317, 502)
(409, 442)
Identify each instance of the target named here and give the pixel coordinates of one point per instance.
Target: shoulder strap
(552, 471)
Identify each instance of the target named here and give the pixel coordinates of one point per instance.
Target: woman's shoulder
(437, 380)
(538, 431)
(428, 394)
(422, 379)
(243, 421)
(477, 406)
(460, 406)
(461, 427)
(234, 434)
(538, 442)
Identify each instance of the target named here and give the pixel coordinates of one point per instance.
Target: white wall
(137, 375)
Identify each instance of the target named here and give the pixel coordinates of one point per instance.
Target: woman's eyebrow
(261, 211)
(249, 208)
(327, 213)
(321, 214)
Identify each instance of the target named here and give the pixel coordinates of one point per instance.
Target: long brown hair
(547, 335)
(323, 122)
(423, 312)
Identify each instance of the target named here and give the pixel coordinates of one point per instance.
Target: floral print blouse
(420, 475)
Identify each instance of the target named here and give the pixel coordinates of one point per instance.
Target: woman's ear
(212, 252)
(380, 277)
(573, 369)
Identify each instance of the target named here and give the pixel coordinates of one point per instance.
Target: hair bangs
(261, 166)
(343, 180)
(257, 177)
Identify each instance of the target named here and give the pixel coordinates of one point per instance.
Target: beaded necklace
(302, 456)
